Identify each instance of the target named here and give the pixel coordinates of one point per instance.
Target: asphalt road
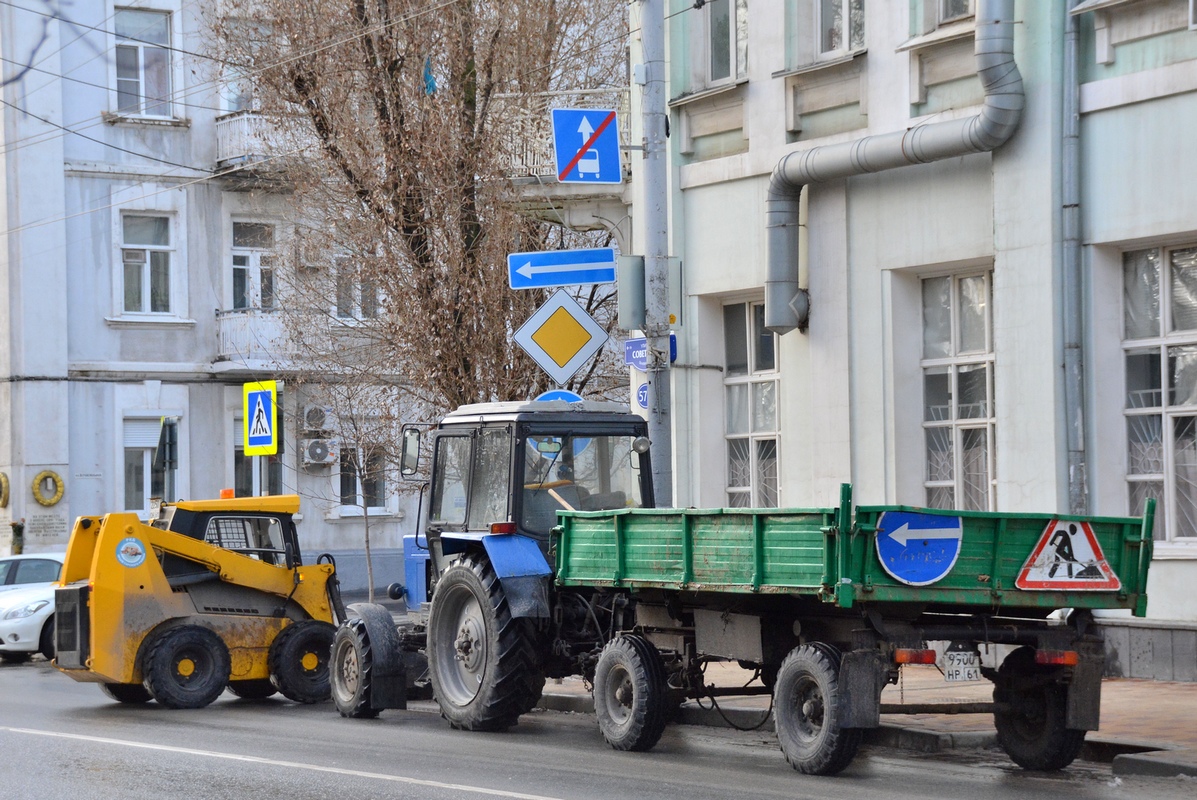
(61, 739)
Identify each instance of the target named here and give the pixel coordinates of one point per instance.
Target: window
(145, 480)
(450, 480)
(256, 537)
(357, 292)
(841, 25)
(952, 10)
(254, 476)
(957, 366)
(1160, 351)
(750, 394)
(726, 40)
(367, 488)
(253, 265)
(142, 62)
(145, 255)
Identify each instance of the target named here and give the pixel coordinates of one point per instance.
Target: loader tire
(351, 671)
(258, 689)
(186, 667)
(808, 709)
(298, 661)
(1030, 715)
(485, 665)
(45, 642)
(126, 692)
(631, 698)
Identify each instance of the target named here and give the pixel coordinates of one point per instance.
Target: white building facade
(1012, 330)
(138, 284)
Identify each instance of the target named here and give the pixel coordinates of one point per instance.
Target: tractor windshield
(577, 473)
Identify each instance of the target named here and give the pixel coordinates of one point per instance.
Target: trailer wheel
(126, 692)
(485, 665)
(1030, 715)
(298, 660)
(349, 673)
(631, 697)
(808, 709)
(186, 667)
(258, 689)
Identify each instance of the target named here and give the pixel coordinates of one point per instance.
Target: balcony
(253, 339)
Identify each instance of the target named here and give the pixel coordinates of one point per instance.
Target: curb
(1157, 764)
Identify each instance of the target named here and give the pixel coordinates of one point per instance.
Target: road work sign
(918, 549)
(586, 145)
(561, 337)
(1067, 556)
(260, 417)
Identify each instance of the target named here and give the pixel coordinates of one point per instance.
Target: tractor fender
(523, 571)
(388, 682)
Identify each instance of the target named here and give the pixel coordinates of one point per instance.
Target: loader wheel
(126, 692)
(186, 667)
(630, 694)
(808, 709)
(258, 689)
(298, 660)
(1030, 715)
(350, 673)
(485, 665)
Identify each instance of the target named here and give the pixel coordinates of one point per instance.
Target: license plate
(961, 665)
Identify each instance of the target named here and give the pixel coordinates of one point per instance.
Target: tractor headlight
(27, 610)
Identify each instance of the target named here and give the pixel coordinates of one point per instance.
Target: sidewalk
(1147, 727)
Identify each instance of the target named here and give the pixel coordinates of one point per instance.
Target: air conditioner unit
(318, 418)
(318, 452)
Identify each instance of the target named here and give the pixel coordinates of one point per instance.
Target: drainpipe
(1070, 196)
(786, 305)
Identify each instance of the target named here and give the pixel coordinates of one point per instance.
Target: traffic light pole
(656, 247)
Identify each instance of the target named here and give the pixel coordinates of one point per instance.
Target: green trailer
(829, 603)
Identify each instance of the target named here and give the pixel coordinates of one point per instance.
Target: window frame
(169, 478)
(737, 66)
(820, 31)
(174, 76)
(147, 267)
(752, 378)
(255, 295)
(941, 19)
(953, 363)
(344, 280)
(358, 507)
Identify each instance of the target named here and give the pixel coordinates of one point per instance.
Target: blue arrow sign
(586, 145)
(561, 268)
(918, 549)
(635, 352)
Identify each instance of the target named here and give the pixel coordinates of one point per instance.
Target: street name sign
(635, 352)
(561, 337)
(549, 268)
(586, 145)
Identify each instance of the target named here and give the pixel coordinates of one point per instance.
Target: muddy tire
(485, 665)
(298, 661)
(808, 710)
(631, 698)
(1031, 715)
(185, 667)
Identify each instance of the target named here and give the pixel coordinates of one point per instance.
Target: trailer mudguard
(388, 670)
(522, 570)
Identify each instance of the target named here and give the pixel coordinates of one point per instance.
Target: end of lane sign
(586, 145)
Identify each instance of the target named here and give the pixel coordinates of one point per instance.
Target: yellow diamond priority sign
(561, 337)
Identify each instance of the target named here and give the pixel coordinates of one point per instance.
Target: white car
(27, 607)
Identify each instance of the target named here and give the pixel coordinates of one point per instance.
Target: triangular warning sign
(1067, 557)
(261, 421)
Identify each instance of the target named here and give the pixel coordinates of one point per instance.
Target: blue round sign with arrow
(918, 549)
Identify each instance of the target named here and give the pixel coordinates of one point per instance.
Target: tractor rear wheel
(485, 664)
(186, 667)
(298, 660)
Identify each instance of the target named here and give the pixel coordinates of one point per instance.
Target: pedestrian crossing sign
(260, 418)
(1067, 557)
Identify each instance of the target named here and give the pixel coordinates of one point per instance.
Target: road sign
(559, 394)
(918, 549)
(561, 268)
(635, 352)
(586, 145)
(1067, 556)
(561, 337)
(260, 417)
(642, 395)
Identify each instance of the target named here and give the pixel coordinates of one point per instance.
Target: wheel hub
(468, 647)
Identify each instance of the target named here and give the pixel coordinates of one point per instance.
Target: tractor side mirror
(409, 461)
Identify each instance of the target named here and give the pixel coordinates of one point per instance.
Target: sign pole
(656, 248)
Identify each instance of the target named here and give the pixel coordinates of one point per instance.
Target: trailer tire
(126, 692)
(631, 698)
(350, 671)
(186, 667)
(485, 665)
(1030, 715)
(258, 689)
(298, 661)
(808, 711)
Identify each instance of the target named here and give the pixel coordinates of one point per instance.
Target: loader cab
(261, 528)
(518, 464)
